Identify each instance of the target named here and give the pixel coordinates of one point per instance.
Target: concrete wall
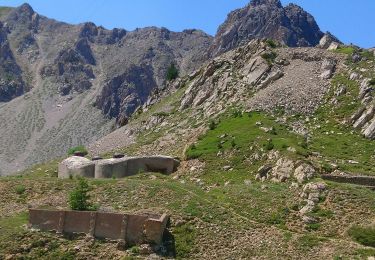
(359, 180)
(118, 168)
(134, 229)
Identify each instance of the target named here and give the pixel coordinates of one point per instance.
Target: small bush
(327, 168)
(79, 199)
(212, 125)
(20, 189)
(271, 43)
(135, 250)
(273, 131)
(372, 82)
(237, 113)
(80, 148)
(363, 235)
(233, 143)
(269, 145)
(313, 226)
(269, 57)
(172, 72)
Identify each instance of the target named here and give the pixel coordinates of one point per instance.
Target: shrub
(269, 145)
(20, 189)
(212, 125)
(236, 113)
(271, 43)
(79, 197)
(79, 148)
(273, 131)
(233, 143)
(172, 72)
(363, 235)
(269, 56)
(372, 82)
(313, 226)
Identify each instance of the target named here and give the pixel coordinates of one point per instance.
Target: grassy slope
(215, 214)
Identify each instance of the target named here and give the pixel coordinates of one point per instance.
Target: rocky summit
(289, 25)
(257, 143)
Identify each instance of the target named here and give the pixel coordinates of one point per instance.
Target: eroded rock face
(11, 82)
(124, 94)
(262, 78)
(364, 118)
(260, 19)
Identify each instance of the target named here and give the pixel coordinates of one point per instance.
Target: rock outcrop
(364, 118)
(329, 42)
(262, 78)
(289, 25)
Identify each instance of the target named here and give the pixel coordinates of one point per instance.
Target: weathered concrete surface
(358, 180)
(133, 229)
(118, 168)
(76, 166)
(129, 166)
(111, 168)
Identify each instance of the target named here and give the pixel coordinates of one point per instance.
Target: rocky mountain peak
(266, 2)
(290, 25)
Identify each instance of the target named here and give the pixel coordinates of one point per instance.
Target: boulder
(283, 170)
(263, 172)
(365, 117)
(328, 67)
(304, 172)
(369, 132)
(328, 40)
(76, 166)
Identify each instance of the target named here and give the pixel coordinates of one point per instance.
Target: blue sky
(352, 21)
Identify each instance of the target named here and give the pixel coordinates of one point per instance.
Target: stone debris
(311, 194)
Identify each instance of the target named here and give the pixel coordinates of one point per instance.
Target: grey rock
(327, 40)
(304, 172)
(289, 25)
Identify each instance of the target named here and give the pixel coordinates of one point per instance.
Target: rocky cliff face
(11, 82)
(291, 26)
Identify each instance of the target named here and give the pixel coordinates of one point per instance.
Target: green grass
(309, 241)
(363, 235)
(185, 236)
(79, 148)
(12, 225)
(246, 133)
(349, 50)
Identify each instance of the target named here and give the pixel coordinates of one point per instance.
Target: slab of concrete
(76, 166)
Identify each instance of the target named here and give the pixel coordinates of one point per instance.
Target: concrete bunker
(116, 167)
